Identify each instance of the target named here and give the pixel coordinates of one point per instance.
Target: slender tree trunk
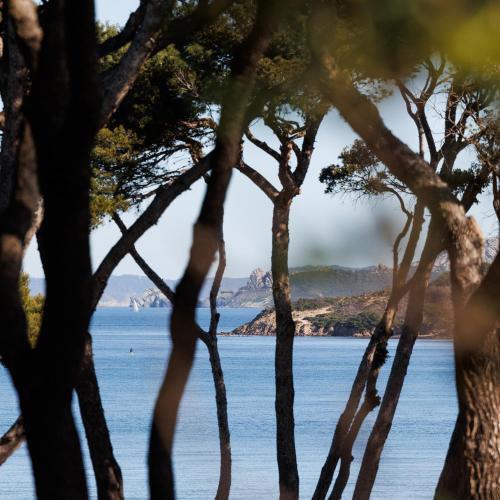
(106, 469)
(224, 485)
(285, 333)
(409, 333)
(372, 361)
(210, 340)
(206, 236)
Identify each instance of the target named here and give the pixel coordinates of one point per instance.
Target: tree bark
(472, 465)
(285, 333)
(107, 471)
(12, 440)
(13, 97)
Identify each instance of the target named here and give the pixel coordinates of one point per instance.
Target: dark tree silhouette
(206, 235)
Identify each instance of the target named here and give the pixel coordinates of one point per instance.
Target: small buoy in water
(131, 351)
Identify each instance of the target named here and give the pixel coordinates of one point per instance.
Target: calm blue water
(324, 369)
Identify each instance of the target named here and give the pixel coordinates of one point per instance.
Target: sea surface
(324, 370)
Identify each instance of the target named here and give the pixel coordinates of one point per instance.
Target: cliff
(310, 282)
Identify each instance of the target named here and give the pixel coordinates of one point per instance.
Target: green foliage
(362, 321)
(359, 171)
(459, 180)
(135, 152)
(33, 308)
(159, 123)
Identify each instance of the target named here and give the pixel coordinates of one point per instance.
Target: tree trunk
(285, 332)
(472, 466)
(224, 486)
(63, 110)
(106, 469)
(409, 333)
(372, 361)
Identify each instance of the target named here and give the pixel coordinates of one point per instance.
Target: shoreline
(357, 337)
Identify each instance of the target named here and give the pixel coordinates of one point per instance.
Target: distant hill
(121, 288)
(307, 282)
(311, 282)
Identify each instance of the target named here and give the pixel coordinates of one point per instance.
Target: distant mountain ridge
(307, 282)
(121, 288)
(310, 282)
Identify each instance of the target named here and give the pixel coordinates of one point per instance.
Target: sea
(324, 369)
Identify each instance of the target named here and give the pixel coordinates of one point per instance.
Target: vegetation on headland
(356, 315)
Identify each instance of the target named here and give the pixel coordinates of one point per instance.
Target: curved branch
(164, 197)
(259, 180)
(263, 146)
(126, 34)
(12, 439)
(304, 159)
(119, 80)
(395, 247)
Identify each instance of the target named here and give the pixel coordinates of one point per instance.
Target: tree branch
(126, 34)
(150, 37)
(259, 180)
(263, 146)
(304, 159)
(164, 197)
(12, 440)
(146, 269)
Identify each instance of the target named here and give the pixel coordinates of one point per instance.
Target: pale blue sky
(324, 229)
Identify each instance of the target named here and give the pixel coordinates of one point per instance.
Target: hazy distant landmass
(307, 282)
(122, 288)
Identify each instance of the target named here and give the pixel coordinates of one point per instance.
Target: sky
(324, 229)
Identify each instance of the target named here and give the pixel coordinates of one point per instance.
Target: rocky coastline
(353, 316)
